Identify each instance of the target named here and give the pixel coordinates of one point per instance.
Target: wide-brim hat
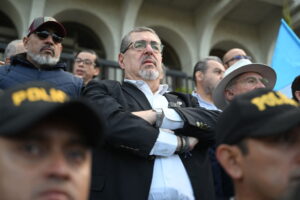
(240, 67)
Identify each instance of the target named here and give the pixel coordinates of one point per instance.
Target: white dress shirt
(170, 180)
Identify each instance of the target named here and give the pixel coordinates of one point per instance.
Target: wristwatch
(159, 117)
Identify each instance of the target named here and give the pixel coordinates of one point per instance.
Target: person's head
(258, 137)
(86, 65)
(296, 89)
(45, 144)
(43, 41)
(242, 77)
(234, 55)
(207, 73)
(13, 48)
(141, 55)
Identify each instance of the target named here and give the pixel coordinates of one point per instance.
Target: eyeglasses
(238, 57)
(253, 81)
(84, 61)
(45, 34)
(141, 45)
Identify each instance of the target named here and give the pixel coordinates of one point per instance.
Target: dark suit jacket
(122, 167)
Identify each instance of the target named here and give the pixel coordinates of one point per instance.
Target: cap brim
(59, 28)
(76, 110)
(264, 70)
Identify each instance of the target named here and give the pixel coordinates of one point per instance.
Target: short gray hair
(126, 39)
(12, 48)
(201, 65)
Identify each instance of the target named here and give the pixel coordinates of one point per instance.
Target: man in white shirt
(157, 145)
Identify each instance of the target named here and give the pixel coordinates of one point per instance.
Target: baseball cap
(43, 21)
(24, 106)
(259, 113)
(240, 67)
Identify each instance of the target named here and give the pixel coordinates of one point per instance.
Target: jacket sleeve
(126, 131)
(198, 122)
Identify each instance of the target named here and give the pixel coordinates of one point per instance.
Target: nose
(260, 84)
(57, 167)
(49, 40)
(149, 49)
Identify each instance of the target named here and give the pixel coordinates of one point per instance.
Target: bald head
(13, 48)
(228, 58)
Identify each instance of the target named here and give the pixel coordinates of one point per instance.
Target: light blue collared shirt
(205, 104)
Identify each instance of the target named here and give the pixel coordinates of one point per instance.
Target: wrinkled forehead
(249, 74)
(145, 35)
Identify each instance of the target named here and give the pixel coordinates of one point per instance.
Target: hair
(12, 49)
(242, 145)
(97, 60)
(126, 39)
(295, 87)
(202, 65)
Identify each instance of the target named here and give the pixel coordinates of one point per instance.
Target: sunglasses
(45, 34)
(141, 45)
(238, 57)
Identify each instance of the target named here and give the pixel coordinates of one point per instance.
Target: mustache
(147, 58)
(48, 47)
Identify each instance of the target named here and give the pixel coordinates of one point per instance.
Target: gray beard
(149, 75)
(43, 59)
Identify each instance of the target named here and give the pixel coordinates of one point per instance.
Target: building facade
(190, 29)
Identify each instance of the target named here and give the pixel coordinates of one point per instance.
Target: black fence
(177, 80)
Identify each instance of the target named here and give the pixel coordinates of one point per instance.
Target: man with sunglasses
(86, 65)
(234, 55)
(41, 61)
(157, 145)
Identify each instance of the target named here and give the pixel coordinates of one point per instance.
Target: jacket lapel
(137, 95)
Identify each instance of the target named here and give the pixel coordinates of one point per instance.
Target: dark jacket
(21, 71)
(122, 168)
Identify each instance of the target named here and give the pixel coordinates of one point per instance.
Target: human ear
(230, 159)
(297, 94)
(229, 94)
(121, 60)
(199, 76)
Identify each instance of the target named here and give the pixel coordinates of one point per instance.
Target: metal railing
(177, 80)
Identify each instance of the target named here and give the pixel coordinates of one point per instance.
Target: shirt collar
(163, 88)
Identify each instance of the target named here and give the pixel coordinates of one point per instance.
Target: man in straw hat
(259, 144)
(242, 77)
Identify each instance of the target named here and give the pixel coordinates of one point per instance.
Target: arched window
(170, 57)
(217, 52)
(8, 32)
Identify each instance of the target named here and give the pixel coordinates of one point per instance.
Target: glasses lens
(86, 61)
(56, 38)
(140, 44)
(155, 46)
(45, 34)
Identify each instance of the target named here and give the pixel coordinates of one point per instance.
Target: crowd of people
(69, 135)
